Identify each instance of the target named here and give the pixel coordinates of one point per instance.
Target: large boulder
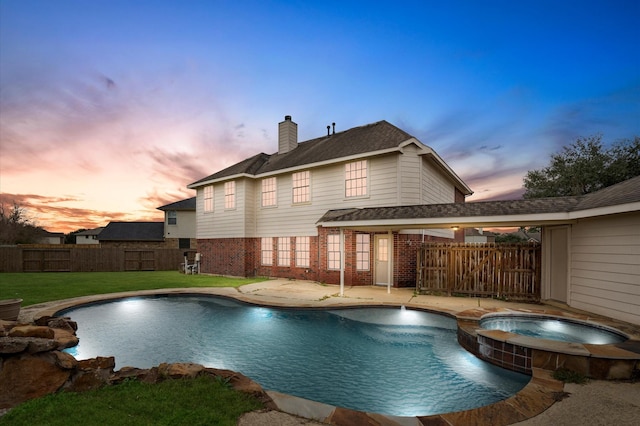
(30, 376)
(42, 332)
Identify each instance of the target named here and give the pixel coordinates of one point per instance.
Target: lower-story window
(284, 251)
(363, 245)
(266, 251)
(302, 252)
(333, 251)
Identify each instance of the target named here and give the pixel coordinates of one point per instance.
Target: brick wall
(229, 256)
(242, 257)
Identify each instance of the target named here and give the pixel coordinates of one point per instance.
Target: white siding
(436, 188)
(394, 179)
(221, 223)
(410, 176)
(605, 266)
(327, 192)
(185, 226)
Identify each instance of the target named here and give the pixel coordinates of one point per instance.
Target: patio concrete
(601, 402)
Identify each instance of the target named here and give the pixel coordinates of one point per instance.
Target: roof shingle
(377, 136)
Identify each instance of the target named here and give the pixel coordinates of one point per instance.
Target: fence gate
(46, 260)
(139, 260)
(494, 270)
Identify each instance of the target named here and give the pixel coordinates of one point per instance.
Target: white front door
(382, 259)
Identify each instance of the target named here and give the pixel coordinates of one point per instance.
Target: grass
(41, 287)
(569, 376)
(199, 401)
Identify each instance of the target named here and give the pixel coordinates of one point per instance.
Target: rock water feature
(32, 365)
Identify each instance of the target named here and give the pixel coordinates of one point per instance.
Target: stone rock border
(32, 365)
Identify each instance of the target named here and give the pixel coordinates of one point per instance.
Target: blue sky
(108, 109)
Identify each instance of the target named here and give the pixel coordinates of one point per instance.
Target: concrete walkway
(597, 403)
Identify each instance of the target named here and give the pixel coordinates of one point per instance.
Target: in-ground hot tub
(553, 328)
(524, 341)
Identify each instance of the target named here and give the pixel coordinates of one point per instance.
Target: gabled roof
(133, 231)
(540, 210)
(95, 231)
(376, 137)
(188, 204)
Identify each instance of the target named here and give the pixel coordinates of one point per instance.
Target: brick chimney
(287, 135)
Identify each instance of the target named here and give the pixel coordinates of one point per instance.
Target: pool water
(389, 361)
(552, 329)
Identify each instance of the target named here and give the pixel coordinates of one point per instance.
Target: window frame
(303, 252)
(208, 198)
(266, 251)
(363, 258)
(271, 190)
(284, 251)
(230, 195)
(334, 262)
(172, 214)
(301, 187)
(356, 179)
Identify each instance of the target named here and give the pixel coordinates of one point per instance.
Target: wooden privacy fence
(81, 259)
(509, 271)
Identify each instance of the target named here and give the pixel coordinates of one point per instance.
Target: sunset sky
(108, 109)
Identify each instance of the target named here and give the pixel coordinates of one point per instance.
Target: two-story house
(180, 224)
(271, 215)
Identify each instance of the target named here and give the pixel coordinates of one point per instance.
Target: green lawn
(200, 401)
(41, 287)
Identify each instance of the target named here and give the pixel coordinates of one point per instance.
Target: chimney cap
(287, 118)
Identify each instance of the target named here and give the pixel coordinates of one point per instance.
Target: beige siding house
(590, 243)
(180, 224)
(261, 216)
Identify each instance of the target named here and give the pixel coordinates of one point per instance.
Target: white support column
(390, 257)
(341, 262)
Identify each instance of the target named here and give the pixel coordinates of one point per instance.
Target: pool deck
(530, 406)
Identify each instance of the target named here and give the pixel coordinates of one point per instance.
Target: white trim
(557, 218)
(307, 166)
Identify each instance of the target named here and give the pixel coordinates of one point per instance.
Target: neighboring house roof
(95, 231)
(188, 204)
(133, 231)
(474, 232)
(46, 234)
(540, 210)
(378, 137)
(529, 236)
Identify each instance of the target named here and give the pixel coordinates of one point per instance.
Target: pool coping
(539, 394)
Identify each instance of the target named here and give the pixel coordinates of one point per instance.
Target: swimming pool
(552, 328)
(390, 361)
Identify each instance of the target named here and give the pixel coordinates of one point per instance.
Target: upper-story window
(208, 198)
(172, 217)
(230, 195)
(355, 179)
(300, 183)
(268, 192)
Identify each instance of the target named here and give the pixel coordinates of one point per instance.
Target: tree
(584, 167)
(70, 238)
(15, 227)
